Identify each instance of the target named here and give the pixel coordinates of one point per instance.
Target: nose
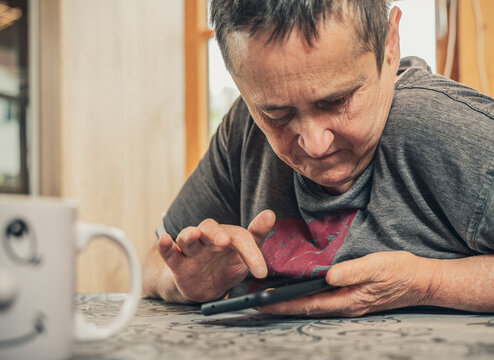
(315, 139)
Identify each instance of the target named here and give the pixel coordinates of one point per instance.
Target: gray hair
(280, 17)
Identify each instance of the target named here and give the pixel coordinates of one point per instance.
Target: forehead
(280, 68)
(343, 16)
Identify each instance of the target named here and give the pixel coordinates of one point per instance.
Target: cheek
(281, 139)
(360, 127)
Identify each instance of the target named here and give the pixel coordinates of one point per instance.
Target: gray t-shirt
(429, 189)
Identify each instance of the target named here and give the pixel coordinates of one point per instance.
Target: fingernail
(261, 272)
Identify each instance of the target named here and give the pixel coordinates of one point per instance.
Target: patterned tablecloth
(167, 331)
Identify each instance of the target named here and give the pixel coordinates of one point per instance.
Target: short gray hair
(279, 17)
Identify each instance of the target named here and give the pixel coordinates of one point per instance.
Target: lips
(326, 157)
(330, 155)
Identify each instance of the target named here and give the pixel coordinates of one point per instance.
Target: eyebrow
(329, 98)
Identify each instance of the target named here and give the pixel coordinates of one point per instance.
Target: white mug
(39, 239)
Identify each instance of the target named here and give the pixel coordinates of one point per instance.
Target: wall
(112, 134)
(468, 69)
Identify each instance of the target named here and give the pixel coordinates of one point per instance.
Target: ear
(392, 52)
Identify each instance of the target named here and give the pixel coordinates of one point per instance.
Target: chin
(337, 189)
(335, 181)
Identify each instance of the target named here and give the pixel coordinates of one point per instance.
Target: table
(170, 331)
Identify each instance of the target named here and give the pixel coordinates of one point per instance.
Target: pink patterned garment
(297, 249)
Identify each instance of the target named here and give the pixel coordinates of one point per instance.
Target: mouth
(325, 158)
(37, 329)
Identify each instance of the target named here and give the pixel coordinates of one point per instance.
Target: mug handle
(84, 330)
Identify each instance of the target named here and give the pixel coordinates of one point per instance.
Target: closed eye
(278, 120)
(336, 103)
(333, 104)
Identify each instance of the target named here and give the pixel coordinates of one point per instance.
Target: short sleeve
(212, 190)
(484, 239)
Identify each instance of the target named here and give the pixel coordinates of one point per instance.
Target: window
(14, 87)
(222, 90)
(209, 90)
(418, 30)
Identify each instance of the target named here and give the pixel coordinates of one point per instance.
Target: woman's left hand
(375, 282)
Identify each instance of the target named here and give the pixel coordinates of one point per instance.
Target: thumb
(261, 225)
(351, 272)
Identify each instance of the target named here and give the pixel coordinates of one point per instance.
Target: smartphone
(262, 298)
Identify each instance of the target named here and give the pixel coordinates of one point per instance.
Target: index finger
(262, 225)
(243, 241)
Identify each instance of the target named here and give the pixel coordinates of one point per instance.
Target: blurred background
(112, 102)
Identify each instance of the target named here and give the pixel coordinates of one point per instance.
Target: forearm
(158, 279)
(465, 284)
